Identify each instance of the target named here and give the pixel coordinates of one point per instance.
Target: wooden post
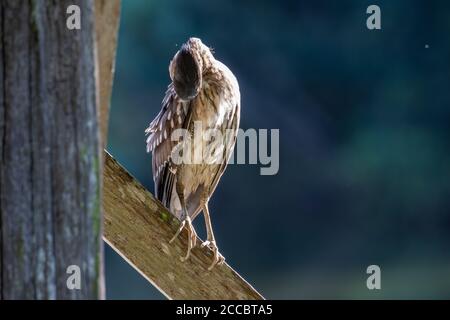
(107, 17)
(50, 214)
(139, 228)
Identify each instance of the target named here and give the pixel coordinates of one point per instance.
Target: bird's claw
(192, 236)
(218, 258)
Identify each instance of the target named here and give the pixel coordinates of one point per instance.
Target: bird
(203, 93)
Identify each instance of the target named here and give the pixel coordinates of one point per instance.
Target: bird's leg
(185, 222)
(192, 235)
(210, 242)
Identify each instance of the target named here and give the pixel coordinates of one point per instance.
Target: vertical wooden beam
(107, 17)
(49, 162)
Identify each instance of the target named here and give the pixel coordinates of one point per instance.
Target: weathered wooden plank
(139, 228)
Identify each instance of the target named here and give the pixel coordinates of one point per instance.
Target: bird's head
(187, 67)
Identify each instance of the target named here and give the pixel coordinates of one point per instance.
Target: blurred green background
(364, 140)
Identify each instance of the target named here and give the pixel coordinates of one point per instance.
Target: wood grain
(107, 18)
(49, 152)
(139, 228)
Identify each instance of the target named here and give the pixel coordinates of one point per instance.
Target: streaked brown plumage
(203, 91)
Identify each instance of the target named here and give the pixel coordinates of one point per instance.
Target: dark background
(364, 140)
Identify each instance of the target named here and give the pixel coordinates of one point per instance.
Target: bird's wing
(229, 140)
(174, 114)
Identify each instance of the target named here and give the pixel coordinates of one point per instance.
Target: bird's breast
(214, 105)
(211, 115)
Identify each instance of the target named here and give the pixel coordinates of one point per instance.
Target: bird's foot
(192, 236)
(218, 258)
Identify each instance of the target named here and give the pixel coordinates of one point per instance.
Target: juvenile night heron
(204, 94)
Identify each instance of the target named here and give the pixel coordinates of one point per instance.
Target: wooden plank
(139, 228)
